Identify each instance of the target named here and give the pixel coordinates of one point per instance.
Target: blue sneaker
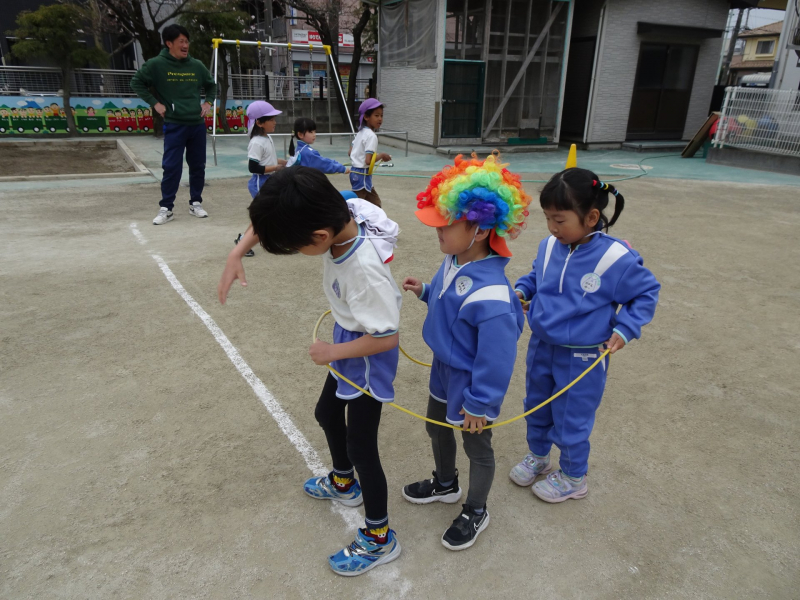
(322, 488)
(364, 554)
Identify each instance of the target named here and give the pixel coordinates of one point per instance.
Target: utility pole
(726, 66)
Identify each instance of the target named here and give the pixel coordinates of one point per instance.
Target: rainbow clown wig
(479, 191)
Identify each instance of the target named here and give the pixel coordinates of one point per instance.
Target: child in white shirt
(364, 147)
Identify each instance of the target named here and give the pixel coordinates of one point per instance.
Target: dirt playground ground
(39, 160)
(136, 461)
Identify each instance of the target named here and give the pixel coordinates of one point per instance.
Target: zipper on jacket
(564, 270)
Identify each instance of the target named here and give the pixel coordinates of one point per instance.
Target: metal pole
(524, 66)
(214, 108)
(339, 84)
(311, 77)
(406, 143)
(330, 120)
(543, 71)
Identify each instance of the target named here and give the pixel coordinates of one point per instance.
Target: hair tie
(594, 183)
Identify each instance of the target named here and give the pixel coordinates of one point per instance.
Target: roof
(772, 29)
(737, 63)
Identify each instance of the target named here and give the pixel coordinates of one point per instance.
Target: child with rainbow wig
(474, 321)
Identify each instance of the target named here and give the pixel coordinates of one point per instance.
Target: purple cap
(368, 104)
(259, 109)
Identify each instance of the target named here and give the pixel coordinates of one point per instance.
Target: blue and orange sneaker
(363, 554)
(323, 488)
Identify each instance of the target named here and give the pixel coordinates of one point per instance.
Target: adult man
(178, 79)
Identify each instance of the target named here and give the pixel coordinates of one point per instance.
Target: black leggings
(354, 443)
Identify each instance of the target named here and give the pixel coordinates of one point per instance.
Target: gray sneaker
(196, 210)
(526, 472)
(164, 215)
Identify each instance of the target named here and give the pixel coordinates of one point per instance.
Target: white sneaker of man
(196, 209)
(164, 215)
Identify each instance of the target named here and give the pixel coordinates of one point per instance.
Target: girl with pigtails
(587, 292)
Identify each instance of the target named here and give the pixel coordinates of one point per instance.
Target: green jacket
(178, 83)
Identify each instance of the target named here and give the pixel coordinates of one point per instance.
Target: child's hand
(347, 171)
(384, 157)
(233, 270)
(281, 162)
(412, 284)
(525, 304)
(615, 343)
(320, 352)
(472, 424)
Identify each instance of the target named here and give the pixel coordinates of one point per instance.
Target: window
(765, 47)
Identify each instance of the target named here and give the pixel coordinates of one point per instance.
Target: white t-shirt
(366, 142)
(262, 149)
(361, 290)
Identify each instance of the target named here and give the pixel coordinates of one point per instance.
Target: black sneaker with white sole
(249, 252)
(430, 490)
(466, 528)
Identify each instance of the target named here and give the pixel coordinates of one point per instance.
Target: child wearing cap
(364, 148)
(474, 321)
(262, 160)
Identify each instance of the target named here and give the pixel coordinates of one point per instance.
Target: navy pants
(178, 138)
(568, 420)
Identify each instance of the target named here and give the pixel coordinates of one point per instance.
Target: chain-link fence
(760, 119)
(22, 81)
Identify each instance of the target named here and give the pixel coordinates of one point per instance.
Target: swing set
(217, 42)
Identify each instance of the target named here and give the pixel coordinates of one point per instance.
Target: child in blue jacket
(305, 130)
(473, 324)
(587, 291)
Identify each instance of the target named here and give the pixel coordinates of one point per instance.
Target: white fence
(760, 119)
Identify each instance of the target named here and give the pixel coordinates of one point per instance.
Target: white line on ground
(351, 517)
(138, 234)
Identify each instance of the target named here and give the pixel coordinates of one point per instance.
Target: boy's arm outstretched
(525, 287)
(233, 266)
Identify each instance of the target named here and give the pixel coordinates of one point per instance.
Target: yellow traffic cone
(572, 159)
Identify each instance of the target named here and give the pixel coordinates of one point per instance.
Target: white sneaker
(196, 209)
(526, 472)
(164, 215)
(558, 487)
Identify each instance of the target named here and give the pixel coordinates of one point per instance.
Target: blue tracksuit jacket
(472, 326)
(575, 294)
(306, 156)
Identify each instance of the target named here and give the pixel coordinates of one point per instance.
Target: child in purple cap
(262, 160)
(364, 147)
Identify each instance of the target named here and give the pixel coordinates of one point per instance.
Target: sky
(760, 17)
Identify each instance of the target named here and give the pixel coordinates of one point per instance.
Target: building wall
(619, 58)
(411, 95)
(752, 43)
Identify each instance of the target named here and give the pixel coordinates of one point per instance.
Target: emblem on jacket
(590, 283)
(463, 285)
(336, 289)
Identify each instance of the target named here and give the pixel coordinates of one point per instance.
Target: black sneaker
(466, 528)
(249, 252)
(429, 490)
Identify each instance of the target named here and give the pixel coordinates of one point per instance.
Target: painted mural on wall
(23, 115)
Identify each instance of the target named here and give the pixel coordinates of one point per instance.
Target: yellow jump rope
(424, 364)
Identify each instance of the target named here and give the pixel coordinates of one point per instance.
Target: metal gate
(462, 101)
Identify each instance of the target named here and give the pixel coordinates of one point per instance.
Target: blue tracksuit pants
(177, 138)
(568, 420)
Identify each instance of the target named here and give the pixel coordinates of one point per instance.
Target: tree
(324, 16)
(51, 32)
(358, 31)
(143, 19)
(206, 23)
